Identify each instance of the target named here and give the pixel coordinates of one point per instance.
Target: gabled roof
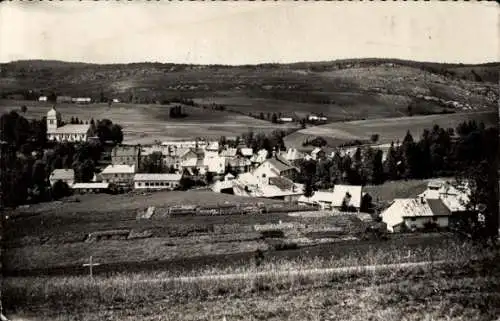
(339, 193)
(438, 208)
(119, 169)
(282, 183)
(62, 174)
(157, 177)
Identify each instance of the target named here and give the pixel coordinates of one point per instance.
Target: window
(435, 219)
(147, 183)
(413, 219)
(139, 184)
(162, 184)
(264, 175)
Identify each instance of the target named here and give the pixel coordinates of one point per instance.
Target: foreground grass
(49, 296)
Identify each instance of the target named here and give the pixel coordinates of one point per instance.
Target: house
(229, 152)
(81, 100)
(349, 194)
(216, 164)
(239, 164)
(126, 155)
(246, 152)
(185, 144)
(115, 100)
(318, 153)
(414, 214)
(246, 184)
(259, 157)
(274, 167)
(67, 133)
(65, 175)
(42, 98)
(285, 119)
(453, 198)
(93, 187)
(157, 181)
(193, 162)
(118, 174)
(292, 155)
(212, 149)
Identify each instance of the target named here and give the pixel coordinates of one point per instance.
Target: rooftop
(62, 174)
(157, 177)
(73, 129)
(119, 169)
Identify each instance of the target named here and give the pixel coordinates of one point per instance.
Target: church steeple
(53, 120)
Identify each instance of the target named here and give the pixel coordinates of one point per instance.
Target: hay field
(388, 129)
(144, 124)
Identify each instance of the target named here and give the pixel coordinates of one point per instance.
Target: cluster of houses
(73, 100)
(242, 171)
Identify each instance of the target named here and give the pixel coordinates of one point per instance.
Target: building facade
(66, 133)
(156, 181)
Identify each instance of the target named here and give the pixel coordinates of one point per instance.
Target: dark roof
(438, 208)
(280, 164)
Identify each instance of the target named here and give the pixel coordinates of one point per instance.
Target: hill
(342, 90)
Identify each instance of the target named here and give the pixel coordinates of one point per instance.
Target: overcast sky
(248, 33)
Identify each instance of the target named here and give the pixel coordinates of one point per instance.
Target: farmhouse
(94, 187)
(274, 167)
(42, 98)
(157, 181)
(346, 197)
(292, 155)
(118, 174)
(65, 175)
(415, 214)
(239, 164)
(285, 119)
(126, 155)
(69, 133)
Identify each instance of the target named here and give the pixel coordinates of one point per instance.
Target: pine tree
(391, 167)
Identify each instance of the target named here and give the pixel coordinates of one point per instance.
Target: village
(239, 170)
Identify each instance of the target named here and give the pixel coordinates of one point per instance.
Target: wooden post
(90, 265)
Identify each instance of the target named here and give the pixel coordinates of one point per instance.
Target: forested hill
(303, 82)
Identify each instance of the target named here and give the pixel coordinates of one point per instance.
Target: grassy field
(465, 288)
(144, 124)
(388, 129)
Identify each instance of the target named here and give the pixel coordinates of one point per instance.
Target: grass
(270, 292)
(389, 129)
(143, 124)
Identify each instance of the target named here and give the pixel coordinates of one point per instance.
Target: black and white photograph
(249, 161)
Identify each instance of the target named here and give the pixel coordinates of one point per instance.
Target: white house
(69, 133)
(260, 156)
(157, 181)
(292, 155)
(228, 152)
(285, 119)
(65, 175)
(452, 197)
(246, 152)
(116, 100)
(42, 98)
(274, 167)
(216, 164)
(415, 213)
(118, 174)
(351, 194)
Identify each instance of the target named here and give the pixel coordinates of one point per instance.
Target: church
(66, 133)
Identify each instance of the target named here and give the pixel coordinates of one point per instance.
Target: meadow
(143, 124)
(458, 282)
(388, 129)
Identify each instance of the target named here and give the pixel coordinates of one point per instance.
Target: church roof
(73, 129)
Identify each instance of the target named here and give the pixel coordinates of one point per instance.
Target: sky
(248, 33)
